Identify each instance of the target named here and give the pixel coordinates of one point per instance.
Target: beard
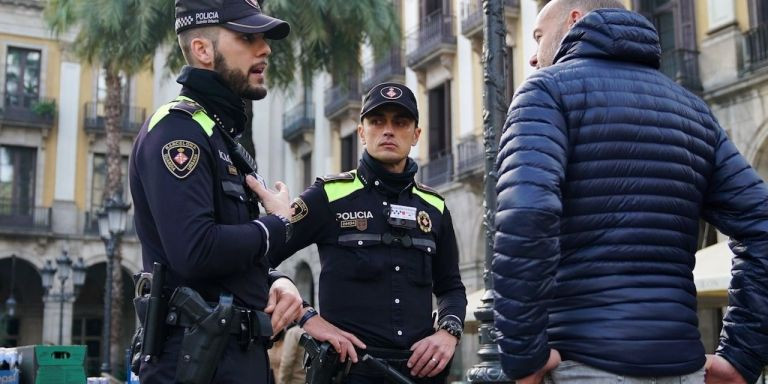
(237, 81)
(547, 56)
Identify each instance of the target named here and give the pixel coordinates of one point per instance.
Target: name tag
(402, 212)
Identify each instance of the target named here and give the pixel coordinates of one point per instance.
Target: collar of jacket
(208, 88)
(373, 175)
(612, 34)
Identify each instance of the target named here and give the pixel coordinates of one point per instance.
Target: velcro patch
(181, 157)
(300, 210)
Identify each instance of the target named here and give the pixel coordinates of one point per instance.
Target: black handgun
(321, 361)
(392, 374)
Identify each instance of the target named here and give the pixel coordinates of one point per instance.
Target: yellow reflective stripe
(431, 199)
(206, 122)
(201, 117)
(159, 114)
(337, 189)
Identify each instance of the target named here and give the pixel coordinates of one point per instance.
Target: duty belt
(249, 325)
(406, 240)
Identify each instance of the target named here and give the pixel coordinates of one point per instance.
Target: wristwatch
(288, 226)
(452, 325)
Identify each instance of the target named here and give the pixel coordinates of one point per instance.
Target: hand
(720, 371)
(284, 304)
(274, 202)
(538, 376)
(431, 354)
(343, 342)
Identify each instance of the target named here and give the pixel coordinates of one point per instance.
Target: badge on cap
(181, 157)
(425, 223)
(391, 93)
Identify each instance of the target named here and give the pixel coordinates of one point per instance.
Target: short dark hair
(185, 37)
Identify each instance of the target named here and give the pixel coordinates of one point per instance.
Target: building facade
(52, 174)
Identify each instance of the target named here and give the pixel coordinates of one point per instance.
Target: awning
(711, 274)
(713, 268)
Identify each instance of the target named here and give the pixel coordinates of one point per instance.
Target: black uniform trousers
(236, 365)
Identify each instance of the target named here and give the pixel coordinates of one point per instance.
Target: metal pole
(61, 313)
(488, 370)
(110, 245)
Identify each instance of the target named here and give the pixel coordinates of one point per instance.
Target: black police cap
(238, 15)
(390, 93)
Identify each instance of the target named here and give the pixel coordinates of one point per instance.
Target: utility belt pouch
(205, 340)
(321, 361)
(150, 307)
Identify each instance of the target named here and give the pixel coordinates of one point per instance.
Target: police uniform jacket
(190, 201)
(377, 281)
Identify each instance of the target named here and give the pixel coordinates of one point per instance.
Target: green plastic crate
(53, 364)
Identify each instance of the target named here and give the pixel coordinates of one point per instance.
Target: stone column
(64, 212)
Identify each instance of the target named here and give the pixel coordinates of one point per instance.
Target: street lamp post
(112, 223)
(488, 370)
(10, 303)
(65, 268)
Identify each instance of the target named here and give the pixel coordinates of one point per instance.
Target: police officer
(193, 213)
(386, 244)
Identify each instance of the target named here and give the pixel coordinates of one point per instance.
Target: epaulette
(429, 190)
(189, 107)
(344, 176)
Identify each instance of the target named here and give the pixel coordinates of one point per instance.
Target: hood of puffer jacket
(612, 34)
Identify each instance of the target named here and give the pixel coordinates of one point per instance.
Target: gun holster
(141, 304)
(205, 340)
(321, 362)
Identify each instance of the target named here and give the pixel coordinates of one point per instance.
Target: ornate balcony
(756, 48)
(343, 97)
(472, 16)
(131, 119)
(390, 67)
(298, 120)
(682, 65)
(434, 38)
(28, 111)
(21, 217)
(469, 159)
(438, 171)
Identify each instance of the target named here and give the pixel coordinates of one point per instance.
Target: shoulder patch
(300, 210)
(429, 190)
(348, 176)
(181, 157)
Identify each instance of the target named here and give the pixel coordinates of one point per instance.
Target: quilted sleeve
(737, 204)
(531, 168)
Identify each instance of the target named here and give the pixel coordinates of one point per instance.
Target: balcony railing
(473, 16)
(682, 65)
(434, 36)
(756, 48)
(130, 122)
(438, 171)
(92, 224)
(28, 110)
(298, 120)
(342, 97)
(388, 68)
(469, 156)
(20, 216)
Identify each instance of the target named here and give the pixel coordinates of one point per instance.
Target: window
(87, 331)
(9, 331)
(674, 21)
(17, 181)
(430, 7)
(758, 13)
(439, 120)
(101, 87)
(22, 77)
(349, 152)
(100, 180)
(306, 166)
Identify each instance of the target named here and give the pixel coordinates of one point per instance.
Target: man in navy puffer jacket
(606, 167)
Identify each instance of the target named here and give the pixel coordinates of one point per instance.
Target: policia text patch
(181, 157)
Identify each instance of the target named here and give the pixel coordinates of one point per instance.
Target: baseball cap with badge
(390, 93)
(238, 15)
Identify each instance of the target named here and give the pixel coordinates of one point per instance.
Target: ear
(360, 130)
(203, 52)
(574, 16)
(416, 134)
